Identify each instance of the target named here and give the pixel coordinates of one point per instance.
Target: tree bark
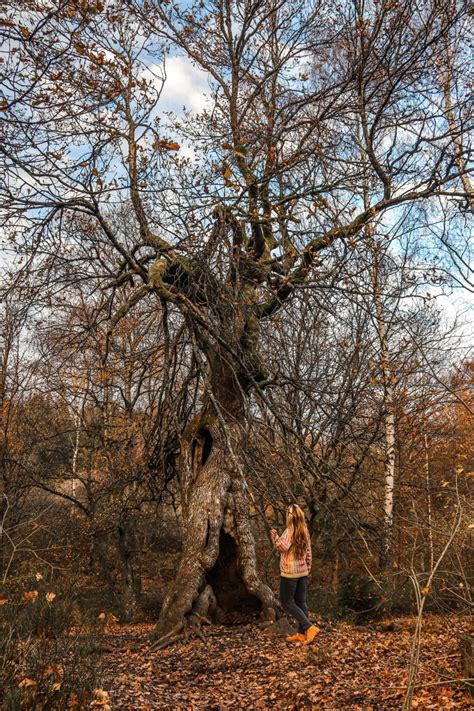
(218, 544)
(389, 414)
(466, 646)
(130, 581)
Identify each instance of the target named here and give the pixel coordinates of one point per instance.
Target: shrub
(46, 658)
(324, 602)
(361, 596)
(364, 598)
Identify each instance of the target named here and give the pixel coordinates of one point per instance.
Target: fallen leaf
(30, 596)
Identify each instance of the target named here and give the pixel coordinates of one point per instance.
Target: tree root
(192, 625)
(167, 639)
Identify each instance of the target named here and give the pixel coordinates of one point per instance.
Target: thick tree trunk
(218, 545)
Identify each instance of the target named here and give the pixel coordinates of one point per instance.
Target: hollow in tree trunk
(218, 544)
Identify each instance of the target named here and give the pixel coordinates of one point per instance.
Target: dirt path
(242, 668)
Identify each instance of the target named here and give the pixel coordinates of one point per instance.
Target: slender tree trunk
(389, 477)
(99, 559)
(130, 582)
(429, 503)
(385, 559)
(445, 74)
(389, 417)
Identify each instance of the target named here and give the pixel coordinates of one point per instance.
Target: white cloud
(185, 85)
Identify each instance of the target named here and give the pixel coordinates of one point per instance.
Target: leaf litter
(241, 667)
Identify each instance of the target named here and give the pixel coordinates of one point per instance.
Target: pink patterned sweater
(290, 565)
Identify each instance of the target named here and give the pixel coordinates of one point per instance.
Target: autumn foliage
(212, 310)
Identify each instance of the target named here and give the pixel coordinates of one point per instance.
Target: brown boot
(311, 633)
(296, 638)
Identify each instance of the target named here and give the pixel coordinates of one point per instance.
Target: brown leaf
(30, 596)
(168, 145)
(101, 700)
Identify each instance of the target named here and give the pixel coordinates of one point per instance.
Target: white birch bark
(389, 413)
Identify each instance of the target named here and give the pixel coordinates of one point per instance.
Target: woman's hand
(274, 535)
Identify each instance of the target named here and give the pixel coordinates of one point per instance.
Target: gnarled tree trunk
(218, 544)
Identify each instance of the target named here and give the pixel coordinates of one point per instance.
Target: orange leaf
(168, 145)
(30, 596)
(101, 700)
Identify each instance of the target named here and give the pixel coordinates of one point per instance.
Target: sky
(186, 86)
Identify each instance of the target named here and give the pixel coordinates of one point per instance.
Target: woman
(294, 546)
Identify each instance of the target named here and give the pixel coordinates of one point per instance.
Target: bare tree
(222, 243)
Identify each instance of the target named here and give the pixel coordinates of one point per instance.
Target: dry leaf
(30, 596)
(101, 700)
(168, 145)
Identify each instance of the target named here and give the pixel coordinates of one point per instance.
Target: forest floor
(240, 667)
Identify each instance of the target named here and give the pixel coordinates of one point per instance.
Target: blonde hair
(299, 534)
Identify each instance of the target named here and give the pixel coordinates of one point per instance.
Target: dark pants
(293, 599)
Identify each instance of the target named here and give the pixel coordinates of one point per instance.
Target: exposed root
(182, 633)
(192, 626)
(168, 638)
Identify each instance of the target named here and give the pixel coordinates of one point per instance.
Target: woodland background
(211, 312)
